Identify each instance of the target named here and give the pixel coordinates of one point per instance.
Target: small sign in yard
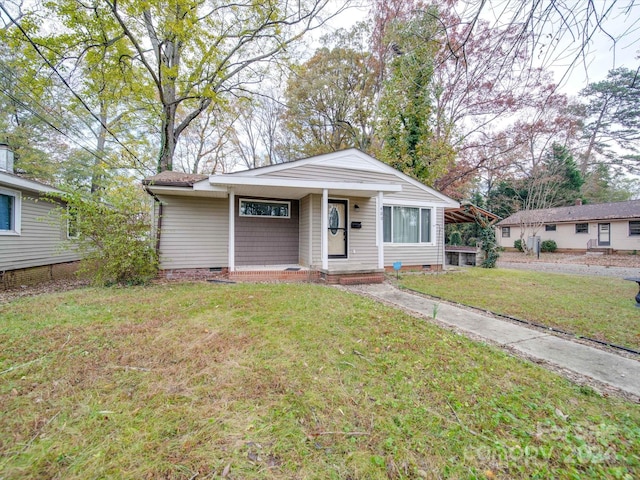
(397, 266)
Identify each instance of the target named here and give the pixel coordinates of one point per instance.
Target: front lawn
(597, 307)
(283, 381)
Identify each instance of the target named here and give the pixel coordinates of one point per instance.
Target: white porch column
(324, 225)
(380, 229)
(232, 231)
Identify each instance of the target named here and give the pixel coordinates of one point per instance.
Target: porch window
(264, 208)
(506, 232)
(10, 205)
(406, 224)
(634, 228)
(582, 228)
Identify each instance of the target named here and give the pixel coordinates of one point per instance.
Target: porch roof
(298, 188)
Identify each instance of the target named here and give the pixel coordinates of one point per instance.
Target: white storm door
(337, 234)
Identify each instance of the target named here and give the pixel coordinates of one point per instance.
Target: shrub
(548, 246)
(518, 245)
(114, 235)
(455, 238)
(489, 246)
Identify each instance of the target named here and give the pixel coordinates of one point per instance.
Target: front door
(604, 234)
(337, 229)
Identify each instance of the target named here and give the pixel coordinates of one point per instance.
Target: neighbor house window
(582, 228)
(72, 223)
(506, 232)
(263, 208)
(10, 206)
(406, 225)
(634, 228)
(550, 228)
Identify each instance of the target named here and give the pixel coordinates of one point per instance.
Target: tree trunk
(97, 174)
(167, 138)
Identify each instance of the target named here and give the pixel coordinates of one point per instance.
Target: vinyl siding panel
(304, 235)
(316, 172)
(42, 240)
(316, 227)
(194, 232)
(267, 241)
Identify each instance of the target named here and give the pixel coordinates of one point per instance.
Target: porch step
(599, 251)
(362, 280)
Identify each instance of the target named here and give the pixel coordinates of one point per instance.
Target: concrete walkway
(614, 370)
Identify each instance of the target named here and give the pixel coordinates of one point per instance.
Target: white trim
(19, 182)
(389, 202)
(220, 192)
(379, 229)
(310, 239)
(262, 200)
(324, 222)
(232, 233)
(231, 180)
(16, 211)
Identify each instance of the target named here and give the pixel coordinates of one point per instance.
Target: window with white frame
(634, 228)
(506, 232)
(265, 208)
(407, 224)
(10, 210)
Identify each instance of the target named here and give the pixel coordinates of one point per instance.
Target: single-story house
(609, 227)
(33, 239)
(341, 217)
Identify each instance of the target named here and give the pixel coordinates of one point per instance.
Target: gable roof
(581, 213)
(348, 159)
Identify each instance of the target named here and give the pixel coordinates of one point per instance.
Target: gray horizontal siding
(42, 240)
(304, 235)
(316, 172)
(267, 241)
(194, 232)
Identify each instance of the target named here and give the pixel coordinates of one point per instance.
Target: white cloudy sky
(615, 44)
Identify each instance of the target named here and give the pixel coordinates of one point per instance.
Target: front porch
(277, 273)
(345, 275)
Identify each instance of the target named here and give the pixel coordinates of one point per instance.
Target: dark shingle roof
(174, 179)
(582, 213)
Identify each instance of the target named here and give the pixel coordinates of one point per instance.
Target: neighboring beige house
(341, 217)
(612, 227)
(32, 241)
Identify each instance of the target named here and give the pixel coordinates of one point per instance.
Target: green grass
(283, 381)
(597, 307)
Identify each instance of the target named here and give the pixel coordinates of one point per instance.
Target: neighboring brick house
(612, 227)
(32, 235)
